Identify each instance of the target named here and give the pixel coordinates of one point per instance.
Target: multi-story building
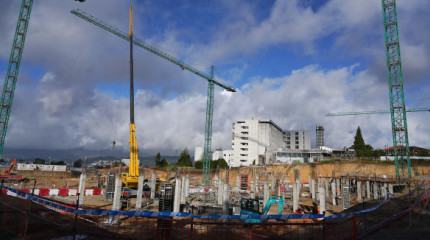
(297, 139)
(319, 136)
(252, 139)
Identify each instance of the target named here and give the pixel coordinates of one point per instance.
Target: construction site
(267, 199)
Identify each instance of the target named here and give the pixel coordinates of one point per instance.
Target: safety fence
(108, 224)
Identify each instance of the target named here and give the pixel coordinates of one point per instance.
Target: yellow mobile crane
(131, 179)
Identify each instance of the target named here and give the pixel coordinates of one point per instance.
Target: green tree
(361, 148)
(39, 161)
(164, 163)
(198, 165)
(77, 163)
(158, 160)
(58, 163)
(185, 159)
(221, 163)
(423, 153)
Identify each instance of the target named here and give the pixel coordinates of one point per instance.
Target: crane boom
(184, 66)
(13, 68)
(148, 47)
(375, 112)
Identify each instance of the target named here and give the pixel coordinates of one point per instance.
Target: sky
(291, 61)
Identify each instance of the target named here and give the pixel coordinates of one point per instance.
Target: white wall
(198, 154)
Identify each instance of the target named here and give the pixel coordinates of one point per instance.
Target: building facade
(319, 136)
(297, 139)
(252, 139)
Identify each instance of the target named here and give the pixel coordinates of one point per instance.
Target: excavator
(6, 173)
(251, 206)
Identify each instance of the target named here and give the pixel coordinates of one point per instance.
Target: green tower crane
(396, 92)
(13, 68)
(184, 66)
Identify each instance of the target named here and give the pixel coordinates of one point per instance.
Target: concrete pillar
(153, 181)
(117, 194)
(375, 190)
(67, 185)
(139, 193)
(321, 194)
(183, 190)
(225, 199)
(338, 187)
(327, 187)
(81, 189)
(313, 189)
(383, 190)
(278, 188)
(368, 189)
(177, 199)
(187, 185)
(386, 189)
(220, 191)
(390, 187)
(266, 192)
(333, 191)
(310, 183)
(359, 196)
(295, 198)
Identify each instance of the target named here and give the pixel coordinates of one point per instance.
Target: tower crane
(375, 112)
(398, 110)
(184, 66)
(13, 68)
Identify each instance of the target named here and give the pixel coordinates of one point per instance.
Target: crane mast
(184, 66)
(396, 92)
(13, 68)
(131, 180)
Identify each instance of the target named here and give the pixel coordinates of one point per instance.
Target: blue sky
(291, 61)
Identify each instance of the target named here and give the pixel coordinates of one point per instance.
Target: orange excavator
(6, 173)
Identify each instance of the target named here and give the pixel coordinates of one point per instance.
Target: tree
(361, 148)
(58, 163)
(164, 163)
(158, 160)
(39, 161)
(423, 153)
(77, 163)
(185, 159)
(221, 163)
(198, 165)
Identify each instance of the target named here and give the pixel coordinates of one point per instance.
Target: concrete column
(278, 188)
(295, 198)
(386, 189)
(359, 196)
(139, 193)
(338, 187)
(326, 187)
(368, 189)
(313, 189)
(183, 190)
(266, 192)
(177, 199)
(81, 189)
(333, 191)
(187, 185)
(383, 190)
(321, 193)
(375, 190)
(390, 187)
(153, 181)
(310, 183)
(220, 191)
(117, 194)
(225, 199)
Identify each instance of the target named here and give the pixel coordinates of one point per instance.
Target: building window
(297, 142)
(245, 127)
(242, 160)
(244, 149)
(297, 133)
(244, 155)
(244, 138)
(244, 133)
(288, 142)
(297, 146)
(297, 138)
(244, 143)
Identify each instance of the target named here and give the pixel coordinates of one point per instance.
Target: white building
(217, 154)
(252, 139)
(198, 154)
(297, 139)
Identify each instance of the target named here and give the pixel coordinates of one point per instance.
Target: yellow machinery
(131, 179)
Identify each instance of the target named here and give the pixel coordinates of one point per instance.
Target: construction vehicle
(131, 178)
(251, 206)
(7, 176)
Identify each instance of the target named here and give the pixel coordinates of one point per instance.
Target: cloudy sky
(292, 61)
